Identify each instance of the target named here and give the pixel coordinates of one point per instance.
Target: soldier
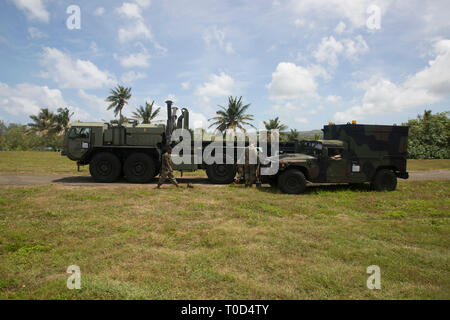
(251, 155)
(166, 169)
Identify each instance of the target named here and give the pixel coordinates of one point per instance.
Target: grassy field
(220, 242)
(224, 242)
(426, 165)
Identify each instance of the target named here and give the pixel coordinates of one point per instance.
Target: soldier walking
(166, 169)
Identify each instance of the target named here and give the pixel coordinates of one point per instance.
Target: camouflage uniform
(250, 169)
(166, 171)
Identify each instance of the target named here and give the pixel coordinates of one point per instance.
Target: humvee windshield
(312, 148)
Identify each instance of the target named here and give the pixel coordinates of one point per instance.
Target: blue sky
(308, 62)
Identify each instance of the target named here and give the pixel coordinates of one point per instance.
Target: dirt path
(34, 179)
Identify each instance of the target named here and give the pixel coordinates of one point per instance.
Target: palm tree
(274, 124)
(43, 124)
(62, 120)
(146, 113)
(118, 99)
(294, 135)
(233, 116)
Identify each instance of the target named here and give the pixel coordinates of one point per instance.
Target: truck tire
(139, 168)
(384, 180)
(292, 182)
(105, 167)
(221, 173)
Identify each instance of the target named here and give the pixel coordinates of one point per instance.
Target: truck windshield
(312, 148)
(79, 132)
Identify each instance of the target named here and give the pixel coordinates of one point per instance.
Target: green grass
(33, 162)
(134, 242)
(426, 165)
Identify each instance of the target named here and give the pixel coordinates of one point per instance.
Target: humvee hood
(295, 156)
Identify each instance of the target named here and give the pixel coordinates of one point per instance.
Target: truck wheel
(292, 181)
(384, 180)
(221, 173)
(139, 168)
(105, 167)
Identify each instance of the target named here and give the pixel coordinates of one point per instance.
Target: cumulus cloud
(340, 28)
(217, 86)
(329, 49)
(34, 9)
(27, 99)
(290, 82)
(427, 86)
(140, 59)
(185, 85)
(132, 76)
(133, 31)
(130, 10)
(69, 72)
(215, 37)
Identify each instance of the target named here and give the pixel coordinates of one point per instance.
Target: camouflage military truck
(133, 150)
(349, 153)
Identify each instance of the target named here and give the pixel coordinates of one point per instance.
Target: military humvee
(349, 153)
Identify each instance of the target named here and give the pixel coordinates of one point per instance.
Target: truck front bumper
(402, 175)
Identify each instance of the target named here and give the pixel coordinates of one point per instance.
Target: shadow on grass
(316, 188)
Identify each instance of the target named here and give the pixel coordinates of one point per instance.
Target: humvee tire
(384, 180)
(105, 167)
(292, 181)
(139, 168)
(221, 173)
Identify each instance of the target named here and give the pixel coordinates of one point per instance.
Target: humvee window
(335, 153)
(79, 133)
(312, 148)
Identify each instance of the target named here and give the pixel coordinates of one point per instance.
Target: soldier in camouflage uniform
(166, 169)
(250, 174)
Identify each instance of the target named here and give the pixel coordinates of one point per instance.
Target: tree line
(429, 135)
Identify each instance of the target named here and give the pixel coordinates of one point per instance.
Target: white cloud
(329, 49)
(35, 33)
(99, 11)
(426, 87)
(133, 31)
(143, 3)
(197, 120)
(290, 81)
(340, 28)
(34, 9)
(73, 73)
(140, 59)
(96, 106)
(27, 99)
(333, 98)
(217, 86)
(355, 12)
(185, 85)
(215, 37)
(130, 10)
(132, 76)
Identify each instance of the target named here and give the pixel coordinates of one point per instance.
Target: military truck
(349, 153)
(134, 150)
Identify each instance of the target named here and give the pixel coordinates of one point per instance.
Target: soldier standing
(166, 169)
(251, 155)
